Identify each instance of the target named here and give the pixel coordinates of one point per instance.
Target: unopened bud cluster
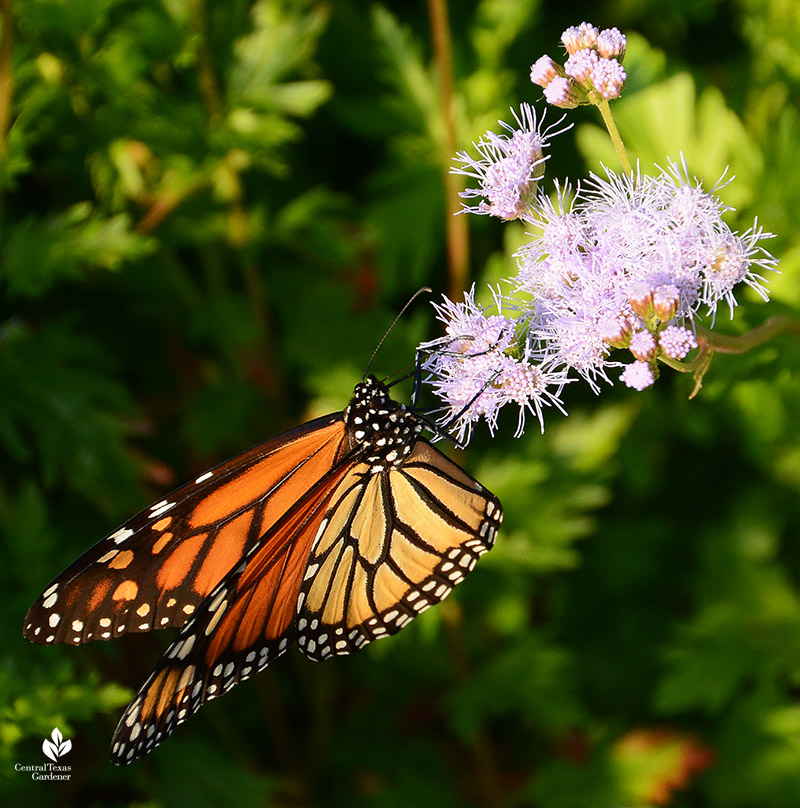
(592, 71)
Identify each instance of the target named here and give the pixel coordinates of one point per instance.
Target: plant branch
(710, 343)
(456, 226)
(6, 73)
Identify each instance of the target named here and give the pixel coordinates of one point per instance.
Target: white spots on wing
(50, 600)
(185, 647)
(120, 536)
(203, 477)
(160, 508)
(54, 620)
(77, 625)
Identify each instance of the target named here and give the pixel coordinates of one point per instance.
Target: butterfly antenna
(424, 289)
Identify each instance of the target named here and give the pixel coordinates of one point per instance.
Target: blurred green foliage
(209, 212)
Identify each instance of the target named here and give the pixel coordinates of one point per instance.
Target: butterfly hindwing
(393, 543)
(156, 569)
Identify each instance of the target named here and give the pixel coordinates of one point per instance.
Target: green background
(210, 212)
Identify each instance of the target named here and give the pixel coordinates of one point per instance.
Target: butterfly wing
(391, 545)
(358, 557)
(245, 623)
(156, 569)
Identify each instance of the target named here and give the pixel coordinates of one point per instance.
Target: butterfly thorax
(378, 426)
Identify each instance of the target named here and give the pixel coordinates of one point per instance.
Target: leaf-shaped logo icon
(57, 747)
(50, 749)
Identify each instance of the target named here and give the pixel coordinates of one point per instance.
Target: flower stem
(6, 73)
(608, 120)
(457, 233)
(724, 343)
(711, 343)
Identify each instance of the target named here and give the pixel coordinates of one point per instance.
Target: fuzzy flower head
(592, 71)
(479, 367)
(508, 167)
(631, 261)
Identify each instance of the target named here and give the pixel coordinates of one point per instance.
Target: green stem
(711, 343)
(608, 120)
(724, 343)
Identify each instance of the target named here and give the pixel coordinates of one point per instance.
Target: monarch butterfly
(334, 534)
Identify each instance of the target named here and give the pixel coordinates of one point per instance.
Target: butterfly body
(332, 535)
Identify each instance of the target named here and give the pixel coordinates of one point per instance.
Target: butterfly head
(384, 430)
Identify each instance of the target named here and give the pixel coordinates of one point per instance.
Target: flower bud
(641, 300)
(563, 92)
(643, 345)
(580, 36)
(616, 331)
(544, 70)
(611, 44)
(665, 302)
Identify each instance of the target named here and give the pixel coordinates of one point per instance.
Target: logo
(57, 747)
(54, 747)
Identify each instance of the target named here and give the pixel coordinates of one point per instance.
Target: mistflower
(580, 36)
(608, 77)
(643, 345)
(612, 267)
(676, 342)
(508, 168)
(474, 371)
(611, 44)
(638, 375)
(544, 70)
(616, 331)
(624, 261)
(665, 301)
(579, 65)
(562, 92)
(730, 259)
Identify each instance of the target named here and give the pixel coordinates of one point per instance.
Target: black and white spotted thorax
(383, 429)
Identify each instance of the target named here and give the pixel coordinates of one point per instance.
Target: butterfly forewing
(391, 545)
(156, 569)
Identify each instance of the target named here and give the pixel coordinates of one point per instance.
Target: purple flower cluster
(625, 263)
(593, 67)
(481, 365)
(508, 168)
(631, 262)
(619, 272)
